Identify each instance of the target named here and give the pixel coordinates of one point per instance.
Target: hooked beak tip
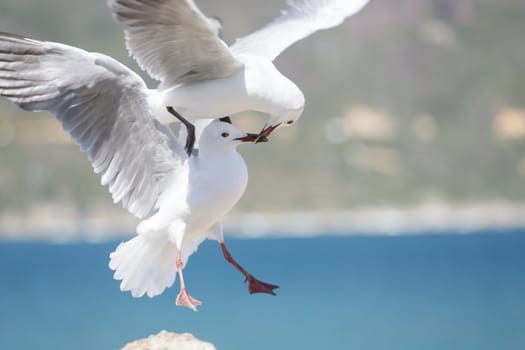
(265, 132)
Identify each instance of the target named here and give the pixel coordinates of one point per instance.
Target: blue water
(413, 292)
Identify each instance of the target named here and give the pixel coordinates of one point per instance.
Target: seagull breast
(216, 184)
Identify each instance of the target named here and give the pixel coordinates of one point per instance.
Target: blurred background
(413, 134)
(413, 109)
(410, 104)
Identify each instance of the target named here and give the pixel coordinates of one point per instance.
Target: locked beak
(265, 132)
(253, 138)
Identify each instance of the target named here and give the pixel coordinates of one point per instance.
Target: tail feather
(131, 249)
(162, 274)
(137, 270)
(145, 264)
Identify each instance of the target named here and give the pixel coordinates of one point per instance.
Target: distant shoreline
(63, 224)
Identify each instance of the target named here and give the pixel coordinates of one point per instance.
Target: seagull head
(221, 135)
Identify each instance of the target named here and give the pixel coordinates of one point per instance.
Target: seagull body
(191, 208)
(213, 180)
(201, 77)
(246, 89)
(103, 105)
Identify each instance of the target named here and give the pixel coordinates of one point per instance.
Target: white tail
(146, 264)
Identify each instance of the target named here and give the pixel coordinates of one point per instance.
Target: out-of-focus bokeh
(409, 104)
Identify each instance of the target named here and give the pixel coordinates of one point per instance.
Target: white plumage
(103, 105)
(118, 122)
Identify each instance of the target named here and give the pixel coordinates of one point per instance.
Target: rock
(169, 341)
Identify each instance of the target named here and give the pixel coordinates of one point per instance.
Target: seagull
(180, 197)
(201, 77)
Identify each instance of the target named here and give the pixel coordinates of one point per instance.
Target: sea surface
(444, 292)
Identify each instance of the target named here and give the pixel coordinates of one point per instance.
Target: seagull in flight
(201, 77)
(180, 197)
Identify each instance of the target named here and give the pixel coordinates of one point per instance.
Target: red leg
(254, 285)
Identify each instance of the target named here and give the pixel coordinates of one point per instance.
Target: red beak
(265, 132)
(253, 138)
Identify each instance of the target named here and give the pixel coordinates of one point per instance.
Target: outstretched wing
(173, 41)
(300, 19)
(103, 106)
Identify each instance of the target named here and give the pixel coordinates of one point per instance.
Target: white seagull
(201, 77)
(103, 105)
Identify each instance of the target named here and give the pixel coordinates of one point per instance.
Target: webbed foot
(256, 286)
(185, 299)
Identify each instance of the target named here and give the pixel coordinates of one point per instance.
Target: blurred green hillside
(407, 102)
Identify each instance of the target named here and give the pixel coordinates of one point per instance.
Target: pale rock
(169, 341)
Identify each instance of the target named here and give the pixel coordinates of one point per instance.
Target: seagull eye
(289, 122)
(225, 134)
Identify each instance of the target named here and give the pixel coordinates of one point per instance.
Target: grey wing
(173, 41)
(300, 19)
(103, 106)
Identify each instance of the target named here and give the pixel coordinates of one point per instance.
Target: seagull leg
(190, 139)
(226, 119)
(254, 285)
(184, 298)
